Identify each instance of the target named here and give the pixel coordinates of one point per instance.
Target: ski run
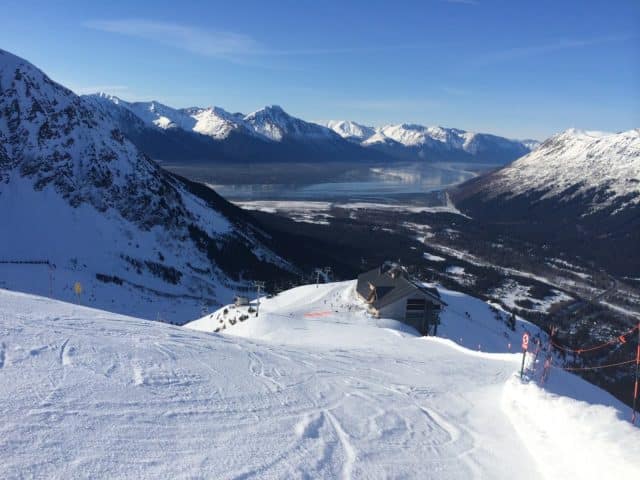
(311, 387)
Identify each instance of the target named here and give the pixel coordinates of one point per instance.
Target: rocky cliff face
(74, 190)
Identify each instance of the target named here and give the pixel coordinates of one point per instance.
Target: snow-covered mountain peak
(412, 141)
(277, 109)
(56, 138)
(411, 134)
(23, 82)
(216, 122)
(579, 161)
(407, 141)
(276, 124)
(269, 111)
(577, 132)
(351, 130)
(108, 97)
(211, 121)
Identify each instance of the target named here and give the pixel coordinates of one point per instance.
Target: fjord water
(379, 183)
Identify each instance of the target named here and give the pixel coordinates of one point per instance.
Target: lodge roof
(391, 283)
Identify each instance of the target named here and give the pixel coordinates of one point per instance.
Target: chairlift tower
(324, 271)
(259, 286)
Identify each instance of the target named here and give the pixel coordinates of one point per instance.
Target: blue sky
(511, 67)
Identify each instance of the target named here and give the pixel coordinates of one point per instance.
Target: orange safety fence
(574, 369)
(619, 338)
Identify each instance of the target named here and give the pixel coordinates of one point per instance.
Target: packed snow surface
(311, 388)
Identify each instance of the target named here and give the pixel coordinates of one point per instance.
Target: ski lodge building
(391, 293)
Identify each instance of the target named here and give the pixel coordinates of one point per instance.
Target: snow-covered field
(312, 388)
(512, 292)
(300, 210)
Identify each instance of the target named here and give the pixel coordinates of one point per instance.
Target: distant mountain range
(272, 135)
(411, 142)
(578, 189)
(196, 135)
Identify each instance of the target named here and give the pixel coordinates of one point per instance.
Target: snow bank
(580, 435)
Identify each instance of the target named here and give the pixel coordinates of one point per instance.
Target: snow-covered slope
(75, 192)
(86, 393)
(578, 193)
(436, 143)
(575, 162)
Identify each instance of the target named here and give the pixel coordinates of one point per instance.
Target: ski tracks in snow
(347, 447)
(163, 401)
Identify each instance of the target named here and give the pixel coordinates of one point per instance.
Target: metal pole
(635, 388)
(525, 347)
(259, 286)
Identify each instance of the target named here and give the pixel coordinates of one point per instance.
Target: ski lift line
(618, 339)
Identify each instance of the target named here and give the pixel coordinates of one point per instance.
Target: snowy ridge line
(429, 140)
(270, 123)
(557, 169)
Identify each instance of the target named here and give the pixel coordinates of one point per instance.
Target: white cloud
(559, 45)
(228, 45)
(189, 38)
